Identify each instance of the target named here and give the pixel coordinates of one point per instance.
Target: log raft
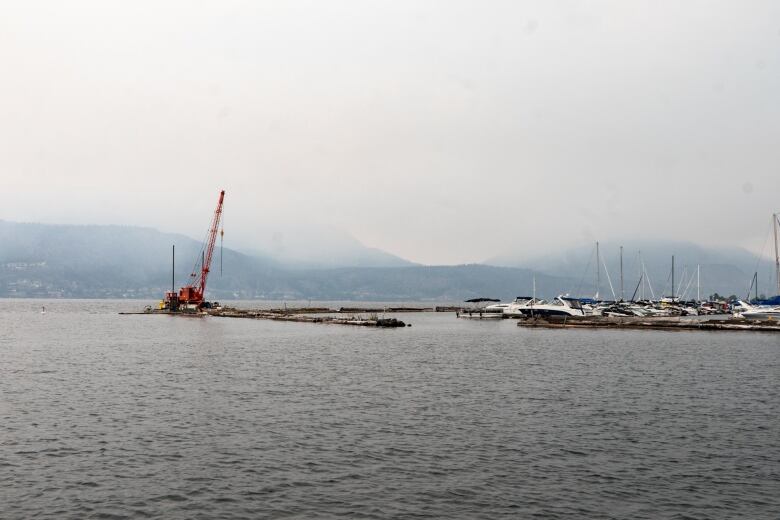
(278, 315)
(644, 323)
(351, 310)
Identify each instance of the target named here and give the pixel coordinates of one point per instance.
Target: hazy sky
(442, 131)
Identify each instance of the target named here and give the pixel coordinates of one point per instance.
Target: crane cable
(198, 267)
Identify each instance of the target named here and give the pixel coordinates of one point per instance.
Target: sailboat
(764, 309)
(774, 300)
(775, 225)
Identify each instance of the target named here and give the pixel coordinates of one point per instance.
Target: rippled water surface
(108, 416)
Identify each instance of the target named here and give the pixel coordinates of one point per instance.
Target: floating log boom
(276, 315)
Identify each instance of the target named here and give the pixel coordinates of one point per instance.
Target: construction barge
(645, 323)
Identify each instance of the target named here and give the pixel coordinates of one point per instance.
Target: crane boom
(194, 292)
(204, 272)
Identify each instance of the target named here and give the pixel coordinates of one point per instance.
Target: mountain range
(317, 247)
(647, 265)
(43, 260)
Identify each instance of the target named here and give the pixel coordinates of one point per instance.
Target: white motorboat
(521, 305)
(762, 313)
(560, 306)
(497, 307)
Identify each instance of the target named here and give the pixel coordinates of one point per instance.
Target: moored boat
(762, 313)
(559, 306)
(521, 305)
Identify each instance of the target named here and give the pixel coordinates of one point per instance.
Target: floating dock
(642, 323)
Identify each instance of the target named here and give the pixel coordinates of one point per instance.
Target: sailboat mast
(621, 273)
(777, 257)
(756, 285)
(641, 273)
(698, 282)
(598, 270)
(672, 276)
(173, 268)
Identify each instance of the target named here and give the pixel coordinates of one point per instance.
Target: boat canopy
(574, 303)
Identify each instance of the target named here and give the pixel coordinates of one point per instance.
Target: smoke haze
(439, 131)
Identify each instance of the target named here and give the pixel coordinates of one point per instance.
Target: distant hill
(440, 283)
(723, 270)
(39, 260)
(106, 261)
(317, 247)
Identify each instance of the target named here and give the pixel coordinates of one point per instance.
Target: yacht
(520, 307)
(741, 306)
(762, 313)
(560, 306)
(497, 307)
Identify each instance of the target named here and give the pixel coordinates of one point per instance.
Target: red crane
(191, 295)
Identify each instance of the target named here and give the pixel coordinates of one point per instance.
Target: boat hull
(545, 313)
(761, 315)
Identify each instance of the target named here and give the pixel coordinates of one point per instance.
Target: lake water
(109, 416)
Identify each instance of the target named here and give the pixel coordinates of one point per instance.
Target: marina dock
(645, 323)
